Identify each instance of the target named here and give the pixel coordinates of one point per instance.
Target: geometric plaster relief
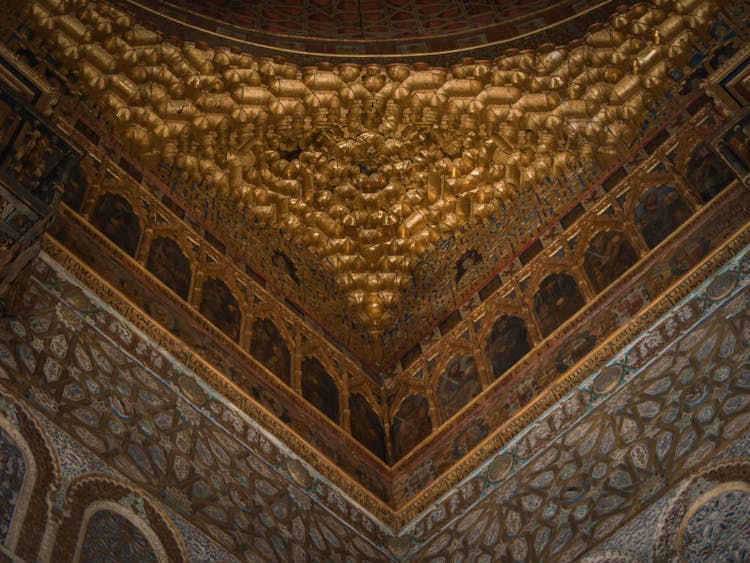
(139, 425)
(666, 419)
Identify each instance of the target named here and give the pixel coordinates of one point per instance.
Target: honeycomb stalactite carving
(367, 167)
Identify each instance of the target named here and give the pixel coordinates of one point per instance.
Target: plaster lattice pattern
(124, 413)
(679, 411)
(12, 472)
(112, 537)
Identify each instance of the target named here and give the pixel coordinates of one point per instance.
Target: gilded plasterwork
(369, 173)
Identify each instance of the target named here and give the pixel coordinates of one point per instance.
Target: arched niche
(508, 342)
(29, 472)
(608, 255)
(17, 476)
(556, 300)
(268, 346)
(168, 263)
(113, 534)
(458, 384)
(411, 425)
(219, 306)
(659, 212)
(319, 388)
(114, 217)
(109, 520)
(366, 426)
(75, 188)
(706, 172)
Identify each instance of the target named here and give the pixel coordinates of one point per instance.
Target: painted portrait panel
(114, 217)
(508, 342)
(659, 212)
(319, 388)
(458, 384)
(366, 426)
(168, 263)
(556, 300)
(75, 188)
(268, 346)
(220, 307)
(706, 172)
(607, 257)
(411, 425)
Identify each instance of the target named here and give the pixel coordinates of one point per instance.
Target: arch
(608, 255)
(268, 346)
(114, 217)
(96, 493)
(556, 300)
(713, 498)
(110, 532)
(706, 172)
(168, 262)
(366, 426)
(221, 308)
(319, 388)
(17, 476)
(411, 425)
(659, 212)
(458, 384)
(508, 342)
(28, 517)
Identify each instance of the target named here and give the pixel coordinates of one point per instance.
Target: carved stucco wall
(115, 410)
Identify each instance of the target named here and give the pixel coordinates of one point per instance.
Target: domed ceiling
(367, 28)
(377, 197)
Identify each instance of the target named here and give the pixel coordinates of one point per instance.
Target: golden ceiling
(376, 197)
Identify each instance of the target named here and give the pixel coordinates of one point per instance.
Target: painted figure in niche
(607, 257)
(168, 263)
(75, 188)
(734, 148)
(508, 343)
(706, 172)
(112, 537)
(468, 260)
(220, 307)
(556, 300)
(737, 139)
(319, 388)
(366, 426)
(268, 346)
(411, 425)
(114, 217)
(659, 212)
(458, 384)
